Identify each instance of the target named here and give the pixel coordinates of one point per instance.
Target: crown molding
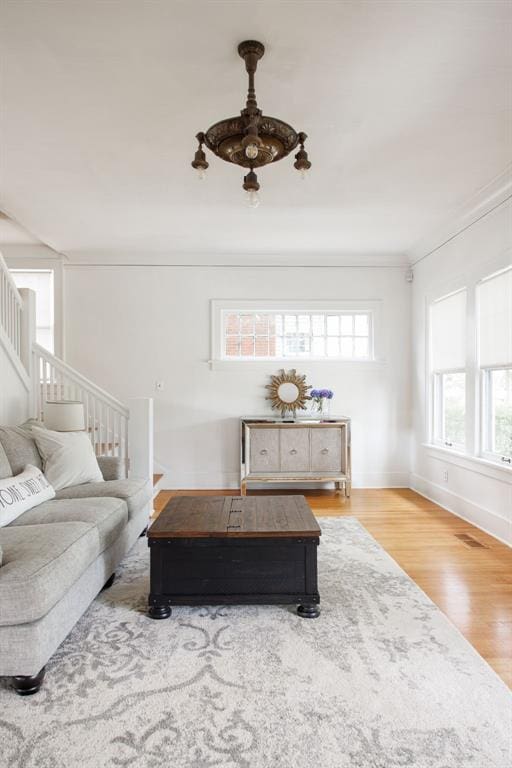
(485, 200)
(230, 260)
(31, 252)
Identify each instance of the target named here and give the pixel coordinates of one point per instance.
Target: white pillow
(22, 492)
(68, 457)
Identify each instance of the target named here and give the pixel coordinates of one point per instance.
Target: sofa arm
(113, 467)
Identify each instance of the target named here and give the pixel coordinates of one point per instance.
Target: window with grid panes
(251, 335)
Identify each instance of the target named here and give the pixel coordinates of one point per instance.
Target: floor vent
(469, 541)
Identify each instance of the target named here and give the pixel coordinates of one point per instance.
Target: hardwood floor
(472, 585)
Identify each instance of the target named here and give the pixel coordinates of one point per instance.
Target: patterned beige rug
(380, 680)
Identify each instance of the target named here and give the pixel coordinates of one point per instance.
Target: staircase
(115, 429)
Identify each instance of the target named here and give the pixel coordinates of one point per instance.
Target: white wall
(474, 490)
(127, 327)
(13, 394)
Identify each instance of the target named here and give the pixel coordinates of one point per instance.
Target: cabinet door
(295, 449)
(264, 450)
(326, 449)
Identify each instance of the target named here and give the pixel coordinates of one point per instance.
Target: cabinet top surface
(231, 516)
(291, 420)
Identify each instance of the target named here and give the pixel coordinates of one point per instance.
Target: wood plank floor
(471, 585)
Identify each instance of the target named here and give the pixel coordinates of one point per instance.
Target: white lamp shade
(64, 416)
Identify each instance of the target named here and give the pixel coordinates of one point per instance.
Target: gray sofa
(57, 556)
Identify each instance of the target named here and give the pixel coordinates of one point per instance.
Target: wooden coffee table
(216, 550)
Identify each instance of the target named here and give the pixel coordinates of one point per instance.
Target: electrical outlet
(445, 475)
(159, 386)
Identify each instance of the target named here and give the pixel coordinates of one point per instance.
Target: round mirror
(288, 392)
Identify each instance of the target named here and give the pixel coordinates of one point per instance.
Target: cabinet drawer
(326, 449)
(295, 450)
(264, 450)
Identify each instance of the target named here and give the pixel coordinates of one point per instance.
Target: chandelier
(253, 139)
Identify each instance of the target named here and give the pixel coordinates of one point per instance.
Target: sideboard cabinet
(275, 450)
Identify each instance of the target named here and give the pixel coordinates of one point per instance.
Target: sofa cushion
(108, 515)
(20, 448)
(40, 563)
(5, 467)
(135, 492)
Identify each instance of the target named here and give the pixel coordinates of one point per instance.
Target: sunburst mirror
(288, 392)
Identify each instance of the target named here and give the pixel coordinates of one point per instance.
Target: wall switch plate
(159, 386)
(445, 475)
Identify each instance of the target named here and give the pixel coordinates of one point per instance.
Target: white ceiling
(407, 105)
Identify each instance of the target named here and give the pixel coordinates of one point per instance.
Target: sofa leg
(26, 685)
(143, 533)
(109, 582)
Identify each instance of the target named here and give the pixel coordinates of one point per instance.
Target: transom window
(257, 335)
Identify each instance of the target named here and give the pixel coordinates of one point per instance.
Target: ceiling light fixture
(253, 139)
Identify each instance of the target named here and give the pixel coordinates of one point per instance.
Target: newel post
(140, 437)
(28, 328)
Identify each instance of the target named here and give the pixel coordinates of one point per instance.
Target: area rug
(380, 680)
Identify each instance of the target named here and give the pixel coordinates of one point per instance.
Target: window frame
(486, 415)
(221, 307)
(473, 456)
(50, 328)
(435, 378)
(55, 265)
(438, 411)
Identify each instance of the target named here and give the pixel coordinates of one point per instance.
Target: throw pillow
(68, 457)
(22, 492)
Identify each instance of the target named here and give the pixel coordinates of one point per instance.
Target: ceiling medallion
(253, 139)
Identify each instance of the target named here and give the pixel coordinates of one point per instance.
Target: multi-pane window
(450, 409)
(448, 367)
(323, 335)
(495, 360)
(40, 281)
(498, 412)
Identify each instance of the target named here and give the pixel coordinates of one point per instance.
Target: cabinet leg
(347, 490)
(109, 582)
(26, 685)
(309, 611)
(159, 611)
(243, 488)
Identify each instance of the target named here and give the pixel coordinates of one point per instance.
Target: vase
(321, 408)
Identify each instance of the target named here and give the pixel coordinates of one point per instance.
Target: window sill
(297, 362)
(471, 463)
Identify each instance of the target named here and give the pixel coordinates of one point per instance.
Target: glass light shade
(251, 151)
(64, 416)
(253, 198)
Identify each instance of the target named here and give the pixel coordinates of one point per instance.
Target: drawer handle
(263, 452)
(293, 451)
(324, 450)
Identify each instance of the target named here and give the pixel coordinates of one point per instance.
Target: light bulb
(201, 172)
(303, 173)
(251, 151)
(253, 198)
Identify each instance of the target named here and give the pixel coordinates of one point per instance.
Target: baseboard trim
(485, 519)
(208, 480)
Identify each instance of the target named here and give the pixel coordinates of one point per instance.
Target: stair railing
(106, 419)
(11, 308)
